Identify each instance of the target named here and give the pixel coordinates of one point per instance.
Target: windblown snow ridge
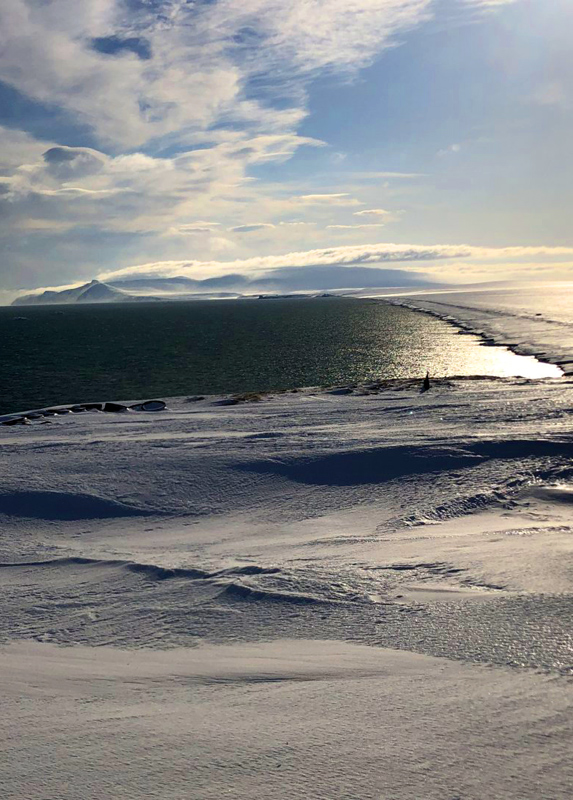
(152, 570)
(551, 487)
(380, 464)
(224, 584)
(245, 592)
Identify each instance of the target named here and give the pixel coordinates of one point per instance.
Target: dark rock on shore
(81, 408)
(153, 405)
(149, 405)
(85, 407)
(114, 408)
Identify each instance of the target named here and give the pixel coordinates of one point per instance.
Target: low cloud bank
(348, 267)
(289, 279)
(347, 255)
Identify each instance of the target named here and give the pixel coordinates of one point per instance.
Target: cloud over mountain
(332, 256)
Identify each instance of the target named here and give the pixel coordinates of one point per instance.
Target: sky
(207, 137)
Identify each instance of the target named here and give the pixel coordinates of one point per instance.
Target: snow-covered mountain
(92, 292)
(281, 281)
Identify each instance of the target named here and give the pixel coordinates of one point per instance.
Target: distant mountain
(279, 282)
(282, 280)
(181, 285)
(92, 292)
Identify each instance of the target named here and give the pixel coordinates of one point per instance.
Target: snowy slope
(297, 720)
(368, 503)
(195, 560)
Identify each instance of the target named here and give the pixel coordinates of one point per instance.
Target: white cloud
(181, 131)
(250, 228)
(322, 33)
(552, 93)
(489, 4)
(333, 256)
(381, 215)
(336, 199)
(18, 147)
(47, 55)
(373, 212)
(67, 163)
(201, 56)
(194, 229)
(451, 148)
(295, 223)
(356, 227)
(143, 193)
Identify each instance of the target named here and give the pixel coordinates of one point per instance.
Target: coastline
(359, 389)
(490, 337)
(237, 348)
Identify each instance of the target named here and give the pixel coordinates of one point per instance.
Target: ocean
(67, 354)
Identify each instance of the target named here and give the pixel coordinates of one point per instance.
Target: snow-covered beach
(361, 592)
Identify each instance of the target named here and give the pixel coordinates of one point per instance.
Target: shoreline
(487, 339)
(369, 388)
(365, 344)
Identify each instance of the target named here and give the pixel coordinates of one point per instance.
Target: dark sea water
(68, 354)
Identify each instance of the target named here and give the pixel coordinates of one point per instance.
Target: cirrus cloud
(136, 72)
(355, 227)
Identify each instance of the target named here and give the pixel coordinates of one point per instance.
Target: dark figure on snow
(426, 383)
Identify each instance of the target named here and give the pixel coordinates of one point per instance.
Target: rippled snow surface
(438, 523)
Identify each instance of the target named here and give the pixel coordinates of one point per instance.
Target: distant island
(98, 292)
(287, 282)
(92, 292)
